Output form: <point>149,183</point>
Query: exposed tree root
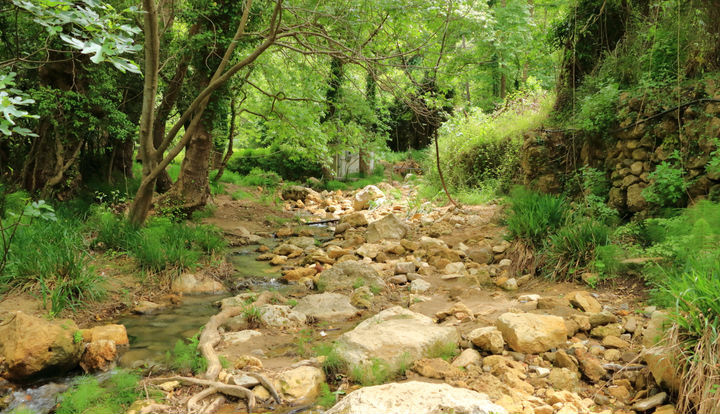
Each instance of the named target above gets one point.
<point>209,338</point>
<point>267,384</point>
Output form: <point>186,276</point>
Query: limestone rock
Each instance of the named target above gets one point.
<point>655,329</point>
<point>590,366</point>
<point>281,316</point>
<point>362,297</point>
<point>613,329</point>
<point>488,338</point>
<point>31,346</point>
<point>602,318</point>
<point>361,199</point>
<point>417,398</point>
<point>419,286</point>
<point>145,307</point>
<point>564,379</point>
<point>387,228</point>
<point>240,337</point>
<point>467,357</point>
<point>663,366</point>
<point>530,333</point>
<point>436,368</point>
<point>405,268</point>
<point>113,332</point>
<point>190,284</point>
<point>301,383</point>
<point>356,219</point>
<point>585,301</point>
<point>346,274</point>
<point>392,333</point>
<point>481,254</point>
<point>429,243</point>
<point>650,402</point>
<point>326,307</point>
<point>98,356</point>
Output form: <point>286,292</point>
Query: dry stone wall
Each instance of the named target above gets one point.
<point>632,151</point>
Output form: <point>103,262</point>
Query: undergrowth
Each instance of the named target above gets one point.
<point>89,396</point>
<point>185,356</point>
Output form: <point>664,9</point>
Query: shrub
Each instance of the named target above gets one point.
<point>598,110</point>
<point>260,178</point>
<point>478,146</point>
<point>288,165</point>
<point>667,184</point>
<point>333,363</point>
<point>533,216</point>
<point>186,357</point>
<point>376,372</point>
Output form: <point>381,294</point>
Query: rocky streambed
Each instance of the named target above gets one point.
<point>424,307</point>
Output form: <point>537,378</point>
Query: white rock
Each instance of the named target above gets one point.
<point>235,338</point>
<point>419,286</point>
<point>392,333</point>
<point>326,307</point>
<point>415,397</point>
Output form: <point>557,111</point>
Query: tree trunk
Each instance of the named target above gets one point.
<point>191,190</point>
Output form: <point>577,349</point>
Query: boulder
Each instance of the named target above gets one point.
<point>361,200</point>
<point>584,301</point>
<point>32,347</point>
<point>436,368</point>
<point>655,329</point>
<point>326,307</point>
<point>419,286</point>
<point>664,367</point>
<point>300,384</point>
<point>481,254</point>
<point>190,284</point>
<point>387,228</point>
<point>99,356</point>
<point>234,338</point>
<point>356,219</point>
<point>488,338</point>
<point>345,275</point>
<point>530,333</point>
<point>391,334</point>
<point>112,332</point>
<point>467,357</point>
<point>295,193</point>
<point>281,316</point>
<point>417,398</point>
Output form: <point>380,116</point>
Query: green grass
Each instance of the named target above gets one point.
<point>570,250</point>
<point>333,363</point>
<point>444,350</point>
<point>534,216</point>
<point>51,258</point>
<point>162,244</point>
<point>89,396</point>
<point>376,372</point>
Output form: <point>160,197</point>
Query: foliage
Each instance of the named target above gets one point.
<point>89,396</point>
<point>667,183</point>
<point>478,147</point>
<point>277,159</point>
<point>598,110</point>
<point>326,398</point>
<point>534,216</point>
<point>186,357</point>
<point>260,178</point>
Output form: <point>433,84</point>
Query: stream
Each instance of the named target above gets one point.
<point>152,336</point>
